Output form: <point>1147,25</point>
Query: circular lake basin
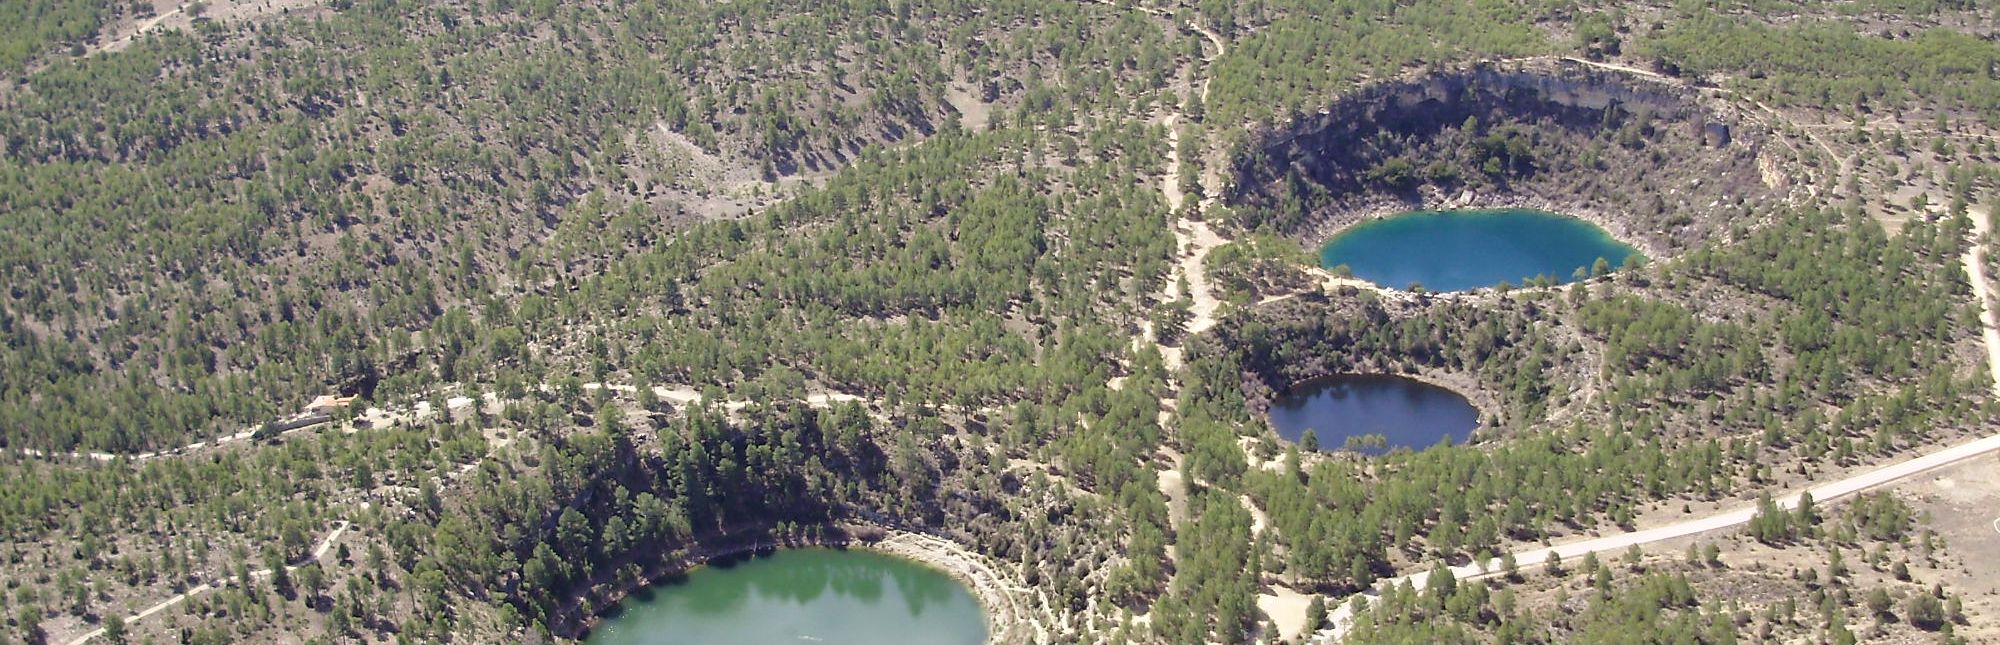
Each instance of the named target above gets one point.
<point>1372,413</point>
<point>821,596</point>
<point>1470,249</point>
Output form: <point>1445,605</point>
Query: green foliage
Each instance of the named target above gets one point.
<point>1925,611</point>
<point>1214,592</point>
<point>251,252</point>
<point>1654,608</point>
<point>1879,517</point>
<point>1657,608</point>
<point>1289,57</point>
<point>1665,343</point>
<point>705,476</point>
<point>1775,525</point>
<point>946,261</point>
<point>1878,601</point>
<point>1596,36</point>
<point>413,200</point>
<point>1831,64</point>
<point>32,29</point>
<point>1339,521</point>
<point>1489,131</point>
<point>1241,271</point>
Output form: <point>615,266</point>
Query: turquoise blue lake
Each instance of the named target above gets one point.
<point>1471,249</point>
<point>818,596</point>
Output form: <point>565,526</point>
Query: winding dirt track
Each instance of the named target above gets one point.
<point>317,553</point>
<point>1975,270</point>
<point>148,25</point>
<point>1197,239</point>
<point>927,548</point>
<point>379,417</point>
<point>1840,162</point>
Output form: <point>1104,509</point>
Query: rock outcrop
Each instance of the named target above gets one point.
<point>1646,159</point>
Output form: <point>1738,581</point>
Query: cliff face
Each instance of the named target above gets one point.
<point>1644,159</point>
<point>1579,93</point>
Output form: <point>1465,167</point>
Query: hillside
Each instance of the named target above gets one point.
<point>1006,288</point>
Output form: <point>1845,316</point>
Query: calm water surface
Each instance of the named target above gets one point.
<point>797,596</point>
<point>1402,412</point>
<point>1470,249</point>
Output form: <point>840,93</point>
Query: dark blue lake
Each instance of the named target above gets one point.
<point>1470,249</point>
<point>1379,412</point>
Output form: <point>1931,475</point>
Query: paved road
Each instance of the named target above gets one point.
<point>1342,619</point>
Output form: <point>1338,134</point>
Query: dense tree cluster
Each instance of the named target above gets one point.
<point>454,207</point>
<point>965,291</point>
<point>1214,592</point>
<point>32,29</point>
<point>414,200</point>
<point>604,504</point>
<point>1704,598</point>
<point>1490,130</point>
<point>1257,264</point>
<point>167,521</point>
<point>1833,65</point>
<point>1503,346</point>
<point>271,213</point>
<point>1341,524</point>
<point>1290,57</point>
<point>1773,524</point>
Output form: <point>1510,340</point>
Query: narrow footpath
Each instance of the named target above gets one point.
<point>318,552</point>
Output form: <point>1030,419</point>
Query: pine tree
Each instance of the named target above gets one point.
<point>1316,614</point>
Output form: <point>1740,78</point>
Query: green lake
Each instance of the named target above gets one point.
<point>1470,249</point>
<point>795,596</point>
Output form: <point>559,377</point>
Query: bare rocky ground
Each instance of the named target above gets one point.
<point>1962,503</point>
<point>173,14</point>
<point>677,173</point>
<point>1756,581</point>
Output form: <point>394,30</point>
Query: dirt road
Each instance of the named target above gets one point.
<point>1342,618</point>
<point>317,553</point>
<point>1975,270</point>
<point>143,27</point>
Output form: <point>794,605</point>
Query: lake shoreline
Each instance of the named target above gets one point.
<point>1003,614</point>
<point>1009,617</point>
<point>1487,412</point>
<point>1331,222</point>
